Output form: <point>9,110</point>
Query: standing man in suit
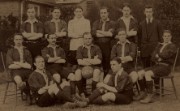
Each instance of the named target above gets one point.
<point>32,31</point>
<point>103,31</point>
<point>150,33</point>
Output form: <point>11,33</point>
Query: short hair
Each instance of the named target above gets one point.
<point>148,6</point>
<point>104,8</point>
<point>167,31</point>
<point>37,57</point>
<point>126,5</point>
<point>31,8</point>
<point>48,35</point>
<point>56,8</point>
<point>17,34</point>
<point>117,59</point>
<point>78,7</point>
<point>121,29</point>
<point>86,33</point>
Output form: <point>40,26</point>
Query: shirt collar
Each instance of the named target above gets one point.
<point>22,47</point>
<point>54,20</point>
<point>124,18</point>
<point>166,43</point>
<point>41,72</point>
<point>50,46</point>
<point>151,19</point>
<point>120,72</point>
<point>84,46</point>
<point>127,41</point>
<point>82,18</point>
<point>31,21</point>
<point>107,20</point>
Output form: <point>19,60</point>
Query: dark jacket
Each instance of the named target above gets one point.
<point>167,55</point>
<point>148,36</point>
<point>13,55</point>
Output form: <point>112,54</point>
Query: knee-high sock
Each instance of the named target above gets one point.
<point>142,85</point>
<point>149,87</point>
<point>73,87</point>
<point>62,96</point>
<point>156,81</point>
<point>80,86</point>
<point>96,93</point>
<point>94,85</point>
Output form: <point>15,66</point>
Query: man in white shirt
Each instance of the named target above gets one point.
<point>76,28</point>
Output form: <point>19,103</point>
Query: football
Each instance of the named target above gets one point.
<point>87,72</point>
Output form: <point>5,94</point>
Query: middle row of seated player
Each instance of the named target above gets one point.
<point>89,55</point>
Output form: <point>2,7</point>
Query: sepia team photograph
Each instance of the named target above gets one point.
<point>89,55</point>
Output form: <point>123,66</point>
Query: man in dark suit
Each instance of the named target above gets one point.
<point>149,33</point>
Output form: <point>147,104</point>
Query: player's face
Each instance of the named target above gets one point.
<point>39,63</point>
<point>104,14</point>
<point>52,39</point>
<point>88,39</point>
<point>78,12</point>
<point>115,66</point>
<point>56,13</point>
<point>148,12</point>
<point>18,40</point>
<point>31,13</point>
<point>126,11</point>
<point>122,36</point>
<point>167,37</point>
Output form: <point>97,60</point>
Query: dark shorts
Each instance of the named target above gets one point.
<point>71,58</point>
<point>45,100</point>
<point>58,68</point>
<point>124,97</point>
<point>105,46</point>
<point>23,73</point>
<point>160,70</point>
